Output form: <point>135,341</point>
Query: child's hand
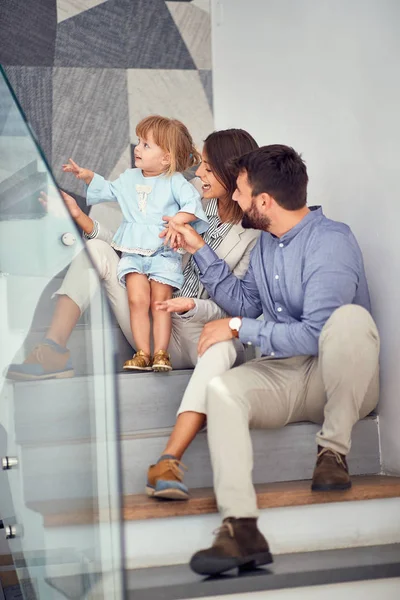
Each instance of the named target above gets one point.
<point>84,174</point>
<point>173,238</point>
<point>171,235</point>
<point>188,238</point>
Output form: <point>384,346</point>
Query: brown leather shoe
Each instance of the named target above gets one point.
<point>238,544</point>
<point>331,471</point>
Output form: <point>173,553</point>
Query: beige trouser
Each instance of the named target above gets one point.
<point>81,282</point>
<point>337,388</point>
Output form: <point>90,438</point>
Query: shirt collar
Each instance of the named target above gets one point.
<point>315,213</point>
<point>211,208</point>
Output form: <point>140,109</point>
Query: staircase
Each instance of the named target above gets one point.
<point>311,534</point>
<point>161,536</point>
<point>148,405</point>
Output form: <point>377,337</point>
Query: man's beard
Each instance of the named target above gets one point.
<point>253,220</point>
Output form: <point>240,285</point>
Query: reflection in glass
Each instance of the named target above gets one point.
<point>60,495</point>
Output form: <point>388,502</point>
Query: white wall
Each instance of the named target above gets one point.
<point>323,76</point>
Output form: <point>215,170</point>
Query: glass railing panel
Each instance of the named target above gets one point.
<point>60,484</point>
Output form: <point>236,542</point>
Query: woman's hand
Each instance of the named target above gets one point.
<point>83,221</point>
<point>188,238</point>
<point>72,205</point>
<point>52,203</point>
<point>84,174</point>
<point>177,305</point>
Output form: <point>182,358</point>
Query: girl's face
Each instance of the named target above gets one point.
<point>150,158</point>
<point>212,188</point>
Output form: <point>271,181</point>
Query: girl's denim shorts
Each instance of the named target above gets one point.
<point>164,266</point>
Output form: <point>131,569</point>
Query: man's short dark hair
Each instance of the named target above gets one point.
<point>278,171</point>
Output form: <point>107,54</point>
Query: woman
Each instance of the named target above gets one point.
<point>192,311</point>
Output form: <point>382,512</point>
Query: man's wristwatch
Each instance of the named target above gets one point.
<point>234,325</point>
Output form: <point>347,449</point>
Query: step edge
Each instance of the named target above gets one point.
<point>272,495</point>
<point>265,579</point>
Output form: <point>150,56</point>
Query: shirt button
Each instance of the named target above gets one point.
<point>276,276</point>
<point>279,309</point>
<point>272,354</point>
<point>281,245</point>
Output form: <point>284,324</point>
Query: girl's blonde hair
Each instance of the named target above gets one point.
<point>173,137</point>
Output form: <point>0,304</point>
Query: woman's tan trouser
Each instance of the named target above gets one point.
<point>80,283</point>
<point>337,388</point>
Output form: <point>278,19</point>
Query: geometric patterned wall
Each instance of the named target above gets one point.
<point>86,71</point>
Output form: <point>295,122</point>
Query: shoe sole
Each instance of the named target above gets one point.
<point>171,494</point>
<point>25,377</point>
<point>330,487</point>
<point>161,368</point>
<point>137,368</point>
<point>203,565</point>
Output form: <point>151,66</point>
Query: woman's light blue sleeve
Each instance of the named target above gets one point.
<point>189,201</point>
<point>101,190</point>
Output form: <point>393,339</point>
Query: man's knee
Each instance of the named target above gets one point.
<point>222,353</point>
<point>224,390</point>
<point>350,323</point>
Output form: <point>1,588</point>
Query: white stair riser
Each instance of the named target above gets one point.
<point>162,542</point>
<point>64,407</point>
<point>63,471</point>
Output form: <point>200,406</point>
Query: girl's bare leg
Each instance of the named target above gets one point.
<point>138,288</point>
<point>162,321</point>
<point>65,317</point>
<point>187,425</point>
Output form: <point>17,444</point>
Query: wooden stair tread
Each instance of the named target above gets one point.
<point>202,501</point>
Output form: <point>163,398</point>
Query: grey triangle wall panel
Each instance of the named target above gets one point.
<point>28,32</point>
<point>122,34</point>
<point>206,80</point>
<point>95,135</point>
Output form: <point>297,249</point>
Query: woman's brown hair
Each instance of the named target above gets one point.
<point>172,137</point>
<point>220,149</point>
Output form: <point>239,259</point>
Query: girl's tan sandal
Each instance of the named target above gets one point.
<point>161,361</point>
<point>139,362</point>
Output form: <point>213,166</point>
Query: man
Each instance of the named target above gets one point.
<point>319,344</point>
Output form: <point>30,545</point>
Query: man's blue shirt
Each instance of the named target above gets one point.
<point>295,281</point>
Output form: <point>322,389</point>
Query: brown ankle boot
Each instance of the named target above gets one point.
<point>331,471</point>
<point>238,543</point>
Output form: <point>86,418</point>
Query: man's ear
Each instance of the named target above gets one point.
<point>265,201</point>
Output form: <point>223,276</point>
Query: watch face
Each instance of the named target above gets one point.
<point>235,323</point>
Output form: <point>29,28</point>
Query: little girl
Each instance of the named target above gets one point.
<point>156,188</point>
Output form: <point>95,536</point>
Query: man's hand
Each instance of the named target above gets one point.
<point>84,174</point>
<point>214,332</point>
<point>187,237</point>
<point>177,305</point>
